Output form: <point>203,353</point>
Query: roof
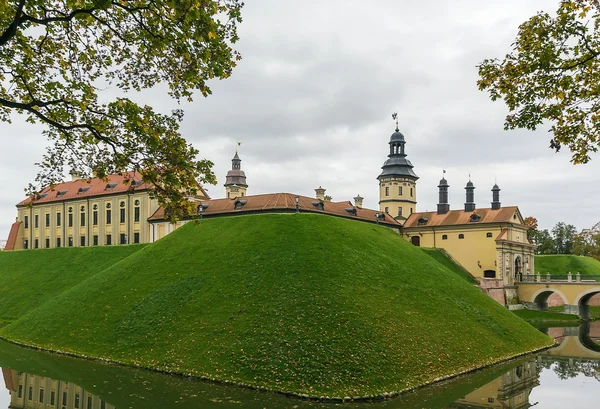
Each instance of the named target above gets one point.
<point>456,217</point>
<point>12,236</point>
<point>286,202</point>
<point>85,188</point>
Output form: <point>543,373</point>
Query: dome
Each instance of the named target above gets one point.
<point>443,182</point>
<point>470,184</point>
<point>496,187</point>
<point>397,137</point>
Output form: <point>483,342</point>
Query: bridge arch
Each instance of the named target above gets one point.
<point>583,299</point>
<point>540,298</point>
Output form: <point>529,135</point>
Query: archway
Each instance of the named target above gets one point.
<point>583,302</point>
<point>585,338</point>
<point>540,299</point>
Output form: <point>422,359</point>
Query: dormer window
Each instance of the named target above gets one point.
<point>422,221</point>
<point>202,207</point>
<point>42,195</point>
<point>83,189</point>
<point>136,182</point>
<point>474,218</point>
<point>320,205</point>
<point>110,186</point>
<point>351,210</point>
<point>239,204</point>
<point>380,216</point>
<point>61,193</point>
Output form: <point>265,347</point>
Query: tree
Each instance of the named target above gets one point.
<point>532,227</point>
<point>587,243</point>
<point>56,57</point>
<point>545,243</point>
<point>563,236</point>
<point>552,74</point>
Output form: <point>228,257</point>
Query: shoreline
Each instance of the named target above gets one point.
<point>334,399</point>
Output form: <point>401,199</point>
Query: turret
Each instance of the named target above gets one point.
<point>235,182</point>
<point>358,201</point>
<point>443,206</point>
<point>470,203</point>
<point>320,193</point>
<point>495,197</point>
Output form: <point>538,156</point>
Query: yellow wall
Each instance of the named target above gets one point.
<point>231,192</point>
<point>397,193</point>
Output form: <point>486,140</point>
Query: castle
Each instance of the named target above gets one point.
<point>490,243</point>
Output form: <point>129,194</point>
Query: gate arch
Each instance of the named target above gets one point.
<point>583,300</point>
<point>540,298</point>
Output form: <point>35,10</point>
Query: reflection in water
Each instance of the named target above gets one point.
<point>46,381</point>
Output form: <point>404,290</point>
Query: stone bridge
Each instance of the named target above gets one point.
<point>534,292</point>
<point>577,343</point>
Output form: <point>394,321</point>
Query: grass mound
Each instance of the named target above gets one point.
<point>538,316</point>
<point>31,278</point>
<point>561,264</point>
<point>304,303</point>
<point>450,265</point>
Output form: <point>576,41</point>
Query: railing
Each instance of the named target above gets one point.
<point>563,278</point>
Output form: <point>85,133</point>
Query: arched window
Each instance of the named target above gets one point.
<point>444,237</point>
<point>400,190</point>
<point>488,235</point>
<point>387,191</point>
<point>461,236</point>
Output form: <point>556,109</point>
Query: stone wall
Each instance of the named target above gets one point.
<point>556,301</point>
<point>493,287</point>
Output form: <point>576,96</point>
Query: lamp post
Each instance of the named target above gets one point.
<point>297,204</point>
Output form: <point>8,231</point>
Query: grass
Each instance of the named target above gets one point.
<point>545,316</point>
<point>33,277</point>
<point>446,262</point>
<point>304,303</point>
<point>595,312</point>
<point>561,264</point>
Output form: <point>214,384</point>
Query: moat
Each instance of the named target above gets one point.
<point>565,376</point>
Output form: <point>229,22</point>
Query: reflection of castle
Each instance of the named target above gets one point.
<point>510,391</point>
<point>33,391</point>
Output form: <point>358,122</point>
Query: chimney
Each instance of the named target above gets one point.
<point>495,197</point>
<point>358,201</point>
<point>320,193</point>
<point>470,203</point>
<point>443,206</point>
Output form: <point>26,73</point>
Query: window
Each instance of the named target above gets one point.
<point>76,400</point>
<point>461,236</point>
<point>89,405</point>
<point>26,244</point>
<point>37,221</point>
<point>411,210</point>
<point>26,222</point>
<point>242,194</point>
<point>47,242</point>
<point>123,238</point>
<point>387,209</point>
<point>30,396</point>
<point>122,204</point>
<point>108,239</point>
<point>136,214</point>
<point>108,216</point>
<point>102,404</point>
<point>489,274</point>
<point>400,190</point>
<point>95,218</point>
<point>444,237</point>
<point>95,240</point>
<point>82,241</point>
<point>52,398</point>
<point>122,215</point>
<point>387,191</point>
<point>82,219</point>
<point>70,241</point>
<point>136,238</point>
<point>20,391</point>
<point>64,400</point>
<point>474,218</point>
<point>41,400</point>
<point>488,235</point>
<point>399,211</point>
<point>70,219</point>
<point>58,242</point>
<point>228,195</point>
<point>47,219</point>
<point>36,243</point>
<point>58,219</point>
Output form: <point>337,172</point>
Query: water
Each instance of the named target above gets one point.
<point>567,376</point>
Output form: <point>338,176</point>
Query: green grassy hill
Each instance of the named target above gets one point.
<point>561,264</point>
<point>450,265</point>
<point>30,278</point>
<point>304,303</point>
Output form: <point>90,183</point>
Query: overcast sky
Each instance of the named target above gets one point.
<point>312,102</point>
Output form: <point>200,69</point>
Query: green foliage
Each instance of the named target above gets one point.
<point>56,58</point>
<point>552,75</point>
<point>563,236</point>
<point>544,241</point>
<point>306,303</point>
<point>562,264</point>
<point>32,277</point>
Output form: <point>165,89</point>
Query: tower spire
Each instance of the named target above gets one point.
<point>235,181</point>
<point>395,117</point>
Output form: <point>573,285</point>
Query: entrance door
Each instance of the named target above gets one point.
<point>416,240</point>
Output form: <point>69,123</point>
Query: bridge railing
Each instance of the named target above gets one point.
<point>564,278</point>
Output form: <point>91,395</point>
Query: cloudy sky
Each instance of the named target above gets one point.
<point>312,102</point>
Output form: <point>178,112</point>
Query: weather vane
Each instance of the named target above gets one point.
<point>395,117</point>
<point>237,144</point>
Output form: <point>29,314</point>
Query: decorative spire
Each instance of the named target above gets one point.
<point>395,117</point>
<point>470,203</point>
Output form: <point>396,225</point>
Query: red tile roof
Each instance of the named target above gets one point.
<point>455,217</point>
<point>285,202</point>
<point>84,188</point>
<point>12,236</point>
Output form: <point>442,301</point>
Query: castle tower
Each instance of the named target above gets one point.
<point>235,182</point>
<point>495,197</point>
<point>443,206</point>
<point>320,193</point>
<point>470,203</point>
<point>397,181</point>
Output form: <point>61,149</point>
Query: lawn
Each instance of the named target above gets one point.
<point>450,265</point>
<point>561,264</point>
<point>545,316</point>
<point>305,303</point>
